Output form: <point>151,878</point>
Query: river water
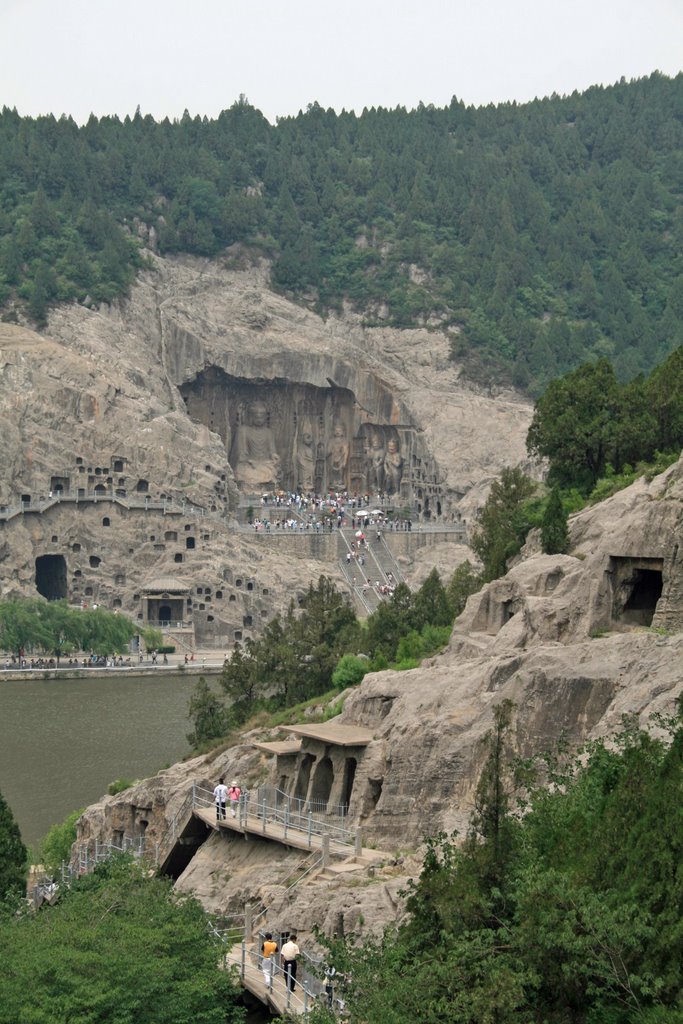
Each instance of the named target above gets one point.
<point>62,741</point>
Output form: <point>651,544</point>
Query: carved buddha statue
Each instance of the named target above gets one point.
<point>305,462</point>
<point>254,456</point>
<point>393,467</point>
<point>337,458</point>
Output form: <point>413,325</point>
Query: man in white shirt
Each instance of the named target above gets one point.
<point>220,795</point>
<point>289,953</point>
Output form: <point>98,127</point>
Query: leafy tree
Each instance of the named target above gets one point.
<point>664,390</point>
<point>431,604</point>
<point>65,625</point>
<point>208,714</point>
<point>463,583</point>
<point>501,528</point>
<point>105,632</point>
<point>350,671</point>
<point>56,845</point>
<point>575,425</point>
<point>13,855</point>
<point>554,533</point>
<point>152,638</point>
<point>389,622</point>
<point>118,947</point>
<point>241,682</point>
<point>22,626</point>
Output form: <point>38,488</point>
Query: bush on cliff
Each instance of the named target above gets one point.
<point>570,914</point>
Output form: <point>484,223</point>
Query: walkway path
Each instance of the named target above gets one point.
<point>275,994</point>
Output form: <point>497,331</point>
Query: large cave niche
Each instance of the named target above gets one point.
<point>51,577</point>
<point>298,436</point>
<point>636,588</point>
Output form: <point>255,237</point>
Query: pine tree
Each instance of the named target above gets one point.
<point>554,533</point>
<point>13,855</point>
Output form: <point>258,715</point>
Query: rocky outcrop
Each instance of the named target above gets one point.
<point>575,641</point>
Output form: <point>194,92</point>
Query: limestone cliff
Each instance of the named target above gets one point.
<point>139,403</point>
<point>575,641</point>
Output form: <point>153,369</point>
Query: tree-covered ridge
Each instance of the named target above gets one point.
<point>541,234</point>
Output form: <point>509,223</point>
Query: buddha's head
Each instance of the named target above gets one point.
<point>258,414</point>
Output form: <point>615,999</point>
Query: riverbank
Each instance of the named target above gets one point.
<point>207,663</point>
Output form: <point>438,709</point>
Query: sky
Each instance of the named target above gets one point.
<point>109,56</point>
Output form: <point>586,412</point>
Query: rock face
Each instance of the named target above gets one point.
<point>197,391</point>
<point>574,641</point>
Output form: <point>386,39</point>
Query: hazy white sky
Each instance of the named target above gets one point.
<point>108,56</point>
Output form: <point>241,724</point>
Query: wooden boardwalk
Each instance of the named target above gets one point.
<point>274,995</point>
<point>289,835</point>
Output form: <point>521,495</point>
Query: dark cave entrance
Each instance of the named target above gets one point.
<point>349,776</point>
<point>191,838</point>
<point>322,784</point>
<point>51,577</point>
<point>637,587</point>
<point>304,774</point>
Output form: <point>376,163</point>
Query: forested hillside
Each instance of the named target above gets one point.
<point>541,235</point>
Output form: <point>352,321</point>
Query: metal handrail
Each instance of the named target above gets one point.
<point>264,813</point>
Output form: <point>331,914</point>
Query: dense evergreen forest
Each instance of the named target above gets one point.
<point>540,235</point>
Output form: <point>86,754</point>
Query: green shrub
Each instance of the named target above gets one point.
<point>166,649</point>
<point>404,666</point>
<point>118,786</point>
<point>56,846</point>
<point>349,671</point>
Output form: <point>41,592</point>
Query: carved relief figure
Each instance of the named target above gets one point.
<point>376,463</point>
<point>337,458</point>
<point>305,461</point>
<point>393,467</point>
<point>254,457</point>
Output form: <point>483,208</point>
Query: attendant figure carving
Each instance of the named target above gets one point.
<point>305,462</point>
<point>337,458</point>
<point>393,467</point>
<point>376,463</point>
<point>254,456</point>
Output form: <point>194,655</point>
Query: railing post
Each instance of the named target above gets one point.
<point>248,922</point>
<point>310,827</point>
<point>263,811</point>
<point>326,849</point>
<point>286,820</point>
<point>244,957</point>
<point>358,850</point>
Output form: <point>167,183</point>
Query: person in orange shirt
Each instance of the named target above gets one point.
<point>268,949</point>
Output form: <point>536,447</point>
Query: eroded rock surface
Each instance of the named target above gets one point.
<point>146,399</point>
<point>575,641</point>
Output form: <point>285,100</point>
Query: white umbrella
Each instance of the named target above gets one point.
<point>362,513</point>
<point>377,512</point>
<point>359,533</point>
